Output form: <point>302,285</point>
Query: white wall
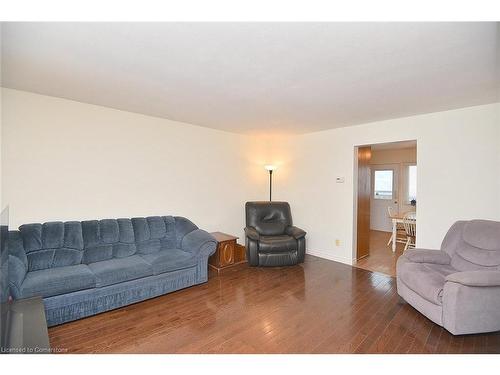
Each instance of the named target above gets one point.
<point>459,175</point>
<point>65,160</point>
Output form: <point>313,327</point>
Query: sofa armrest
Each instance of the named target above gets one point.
<point>18,263</point>
<point>17,273</point>
<point>475,278</point>
<point>198,242</point>
<point>295,232</point>
<point>427,256</point>
<point>252,233</point>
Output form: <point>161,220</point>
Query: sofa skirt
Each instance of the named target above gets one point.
<point>72,306</point>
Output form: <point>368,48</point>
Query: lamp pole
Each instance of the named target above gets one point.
<point>270,169</point>
<point>270,185</point>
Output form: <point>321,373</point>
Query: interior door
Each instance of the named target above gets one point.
<point>364,188</point>
<point>384,194</point>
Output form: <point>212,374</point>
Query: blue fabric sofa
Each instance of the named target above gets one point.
<point>85,268</point>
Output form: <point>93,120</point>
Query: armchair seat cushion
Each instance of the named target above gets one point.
<point>59,280</point>
<point>169,260</point>
<point>118,270</point>
<point>425,279</point>
<point>277,244</point>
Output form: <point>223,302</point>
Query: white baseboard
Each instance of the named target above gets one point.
<point>329,256</point>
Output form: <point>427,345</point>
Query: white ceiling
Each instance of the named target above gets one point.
<point>259,77</point>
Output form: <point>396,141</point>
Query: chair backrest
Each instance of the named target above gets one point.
<point>390,212</point>
<point>473,245</point>
<point>268,218</point>
<point>410,223</point>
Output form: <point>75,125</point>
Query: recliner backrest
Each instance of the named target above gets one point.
<point>268,218</point>
<point>473,245</point>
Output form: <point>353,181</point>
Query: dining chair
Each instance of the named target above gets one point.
<point>410,225</point>
<point>400,230</point>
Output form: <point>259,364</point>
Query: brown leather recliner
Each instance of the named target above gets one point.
<point>270,237</point>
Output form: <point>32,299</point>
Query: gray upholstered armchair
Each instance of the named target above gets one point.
<point>459,286</point>
<point>270,237</point>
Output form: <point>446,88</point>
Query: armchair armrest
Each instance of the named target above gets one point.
<point>295,232</point>
<point>199,241</point>
<point>428,256</point>
<point>252,233</point>
<point>475,278</point>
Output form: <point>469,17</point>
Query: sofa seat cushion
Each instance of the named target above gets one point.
<point>169,260</point>
<point>58,280</point>
<point>277,244</point>
<point>118,270</point>
<point>426,279</point>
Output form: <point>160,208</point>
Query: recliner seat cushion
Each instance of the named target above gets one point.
<point>426,279</point>
<point>169,260</point>
<point>277,244</point>
<point>118,270</point>
<point>59,280</point>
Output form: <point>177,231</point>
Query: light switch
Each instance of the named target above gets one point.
<point>339,179</point>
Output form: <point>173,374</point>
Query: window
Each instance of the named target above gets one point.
<point>412,183</point>
<point>383,185</point>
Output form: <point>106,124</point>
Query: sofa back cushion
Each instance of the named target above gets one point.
<point>183,226</point>
<point>474,245</point>
<point>154,233</point>
<point>52,244</point>
<point>106,239</point>
<point>58,244</point>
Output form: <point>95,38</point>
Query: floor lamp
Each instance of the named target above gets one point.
<point>270,169</point>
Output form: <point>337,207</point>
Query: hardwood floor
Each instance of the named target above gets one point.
<point>381,258</point>
<point>317,307</point>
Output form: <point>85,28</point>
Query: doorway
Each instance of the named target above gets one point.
<point>386,189</point>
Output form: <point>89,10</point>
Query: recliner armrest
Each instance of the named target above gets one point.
<point>199,241</point>
<point>475,278</point>
<point>427,256</point>
<point>252,233</point>
<point>295,232</point>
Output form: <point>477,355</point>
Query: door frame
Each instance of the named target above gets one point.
<point>355,148</point>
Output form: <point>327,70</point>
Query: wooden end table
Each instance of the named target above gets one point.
<point>228,253</point>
